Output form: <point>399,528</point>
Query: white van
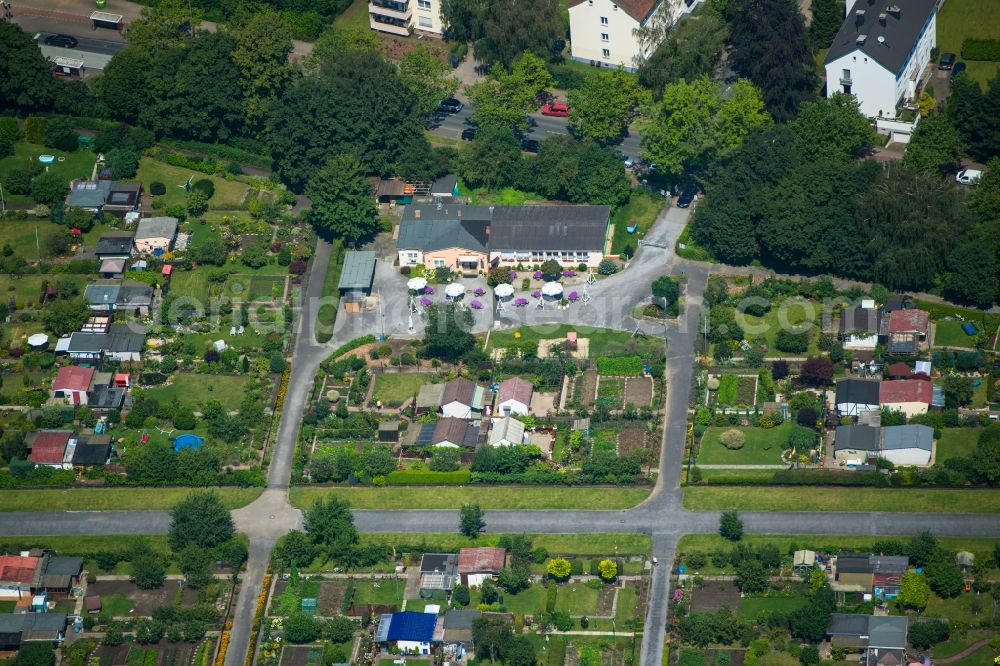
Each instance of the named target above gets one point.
<point>968,176</point>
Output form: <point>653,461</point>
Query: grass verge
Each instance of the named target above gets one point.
<point>489,497</point>
<point>641,209</point>
<point>785,542</point>
<point>114,499</point>
<point>812,498</point>
<point>600,543</point>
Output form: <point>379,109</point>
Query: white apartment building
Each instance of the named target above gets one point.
<point>602,32</point>
<point>880,53</point>
<point>402,17</point>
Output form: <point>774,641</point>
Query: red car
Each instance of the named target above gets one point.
<point>559,109</point>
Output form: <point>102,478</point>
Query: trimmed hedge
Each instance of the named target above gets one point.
<point>221,152</point>
<point>351,346</point>
<point>427,478</point>
<point>628,366</point>
<point>981,49</point>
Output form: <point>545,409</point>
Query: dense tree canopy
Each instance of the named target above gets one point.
<point>692,50</point>
<point>577,171</point>
<point>769,45</point>
<point>504,29</point>
<point>343,203</point>
<point>503,98</point>
<point>26,80</point>
<point>694,124</point>
<point>602,108</point>
<point>200,519</point>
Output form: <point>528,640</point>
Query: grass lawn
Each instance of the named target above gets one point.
<point>577,599</point>
<point>228,194</point>
<point>957,643</point>
<point>507,196</point>
<point>938,311</point>
<point>793,311</point>
<point>7,606</point>
<point>812,498</point>
<point>78,164</point>
<point>949,333</point>
<point>531,600</point>
<point>197,389</point>
<point>628,598</point>
<point>20,235</point>
<point>28,288</point>
<point>603,341</point>
<point>388,592</point>
<point>959,19</point>
<point>642,209</point>
<point>752,607</point>
<point>394,390</point>
<point>557,544</point>
<point>112,499</point>
<point>762,447</point>
<point>250,339</point>
<point>354,17</point>
<point>958,609</point>
<point>116,605</point>
<point>326,315</point>
<point>451,497</point>
<point>956,442</point>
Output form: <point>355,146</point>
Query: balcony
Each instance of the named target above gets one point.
<point>389,9</point>
<point>846,81</point>
<point>393,26</point>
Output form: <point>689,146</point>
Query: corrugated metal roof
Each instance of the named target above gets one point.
<point>358,271</point>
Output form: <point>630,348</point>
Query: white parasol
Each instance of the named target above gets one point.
<point>504,291</point>
<point>416,284</point>
<point>454,290</point>
<point>552,289</point>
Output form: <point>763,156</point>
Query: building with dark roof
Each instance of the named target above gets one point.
<point>856,444</point>
<point>881,52</point>
<point>438,571</point>
<point>16,629</point>
<point>881,639</point>
<point>56,575</point>
<point>91,450</point>
<point>448,432</point>
<point>869,573</point>
<point>570,234</point>
<point>859,327</point>
<point>357,275</point>
<point>854,396</point>
<point>114,246</point>
<point>452,236</point>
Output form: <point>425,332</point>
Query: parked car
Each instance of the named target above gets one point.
<point>947,60</point>
<point>558,109</point>
<point>66,41</point>
<point>468,134</point>
<point>450,105</point>
<point>687,195</point>
<point>529,145</point>
<point>629,162</point>
<point>968,176</point>
<point>957,69</point>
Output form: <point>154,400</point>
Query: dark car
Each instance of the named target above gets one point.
<point>66,41</point>
<point>687,195</point>
<point>468,134</point>
<point>947,60</point>
<point>450,105</point>
<point>529,145</point>
<point>957,69</point>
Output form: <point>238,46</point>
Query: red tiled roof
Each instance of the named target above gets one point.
<point>637,9</point>
<point>49,446</point>
<point>481,560</point>
<point>905,390</point>
<point>17,569</point>
<point>515,388</point>
<point>73,378</point>
<point>908,321</point>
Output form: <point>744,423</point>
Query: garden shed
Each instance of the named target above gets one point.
<point>356,279</point>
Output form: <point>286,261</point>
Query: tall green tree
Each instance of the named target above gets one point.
<point>492,634</point>
<point>913,591</point>
<point>330,526</point>
<point>200,519</point>
<point>167,24</point>
<point>973,270</point>
<point>827,16</point>
<point>832,128</point>
<point>492,160</point>
<point>510,28</point>
<point>730,526</point>
<point>693,124</point>
<point>65,316</point>
<point>692,50</point>
<point>986,456</point>
<point>447,332</point>
<point>428,78</point>
<point>343,202</point>
<point>208,97</point>
<point>935,145</point>
<point>471,521</point>
<point>263,43</point>
<point>578,171</point>
<point>503,98</point>
<point>604,106</point>
<point>769,45</point>
<point>25,75</point>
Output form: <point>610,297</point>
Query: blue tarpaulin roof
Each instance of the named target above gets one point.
<point>411,626</point>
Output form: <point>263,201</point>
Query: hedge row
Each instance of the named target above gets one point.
<point>427,478</point>
<point>220,151</point>
<point>981,49</point>
<point>351,346</point>
<point>208,167</point>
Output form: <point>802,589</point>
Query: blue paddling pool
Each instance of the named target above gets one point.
<point>187,441</point>
<point>46,159</point>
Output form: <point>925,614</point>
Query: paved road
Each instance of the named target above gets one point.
<point>544,126</point>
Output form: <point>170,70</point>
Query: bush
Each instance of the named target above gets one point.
<point>733,439</point>
<point>607,267</point>
<point>59,134</point>
<point>792,342</point>
<point>204,185</point>
<point>156,188</point>
<point>17,181</point>
<point>124,163</point>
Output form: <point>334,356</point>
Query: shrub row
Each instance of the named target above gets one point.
<point>351,346</point>
<point>209,167</point>
<point>427,478</point>
<point>981,49</point>
<point>222,152</point>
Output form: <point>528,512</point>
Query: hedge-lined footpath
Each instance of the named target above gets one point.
<point>399,498</point>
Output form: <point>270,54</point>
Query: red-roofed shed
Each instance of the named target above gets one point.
<point>910,396</point>
<point>17,572</point>
<point>477,564</point>
<point>167,269</point>
<point>900,370</point>
<point>909,321</point>
<point>49,446</point>
<point>73,382</point>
